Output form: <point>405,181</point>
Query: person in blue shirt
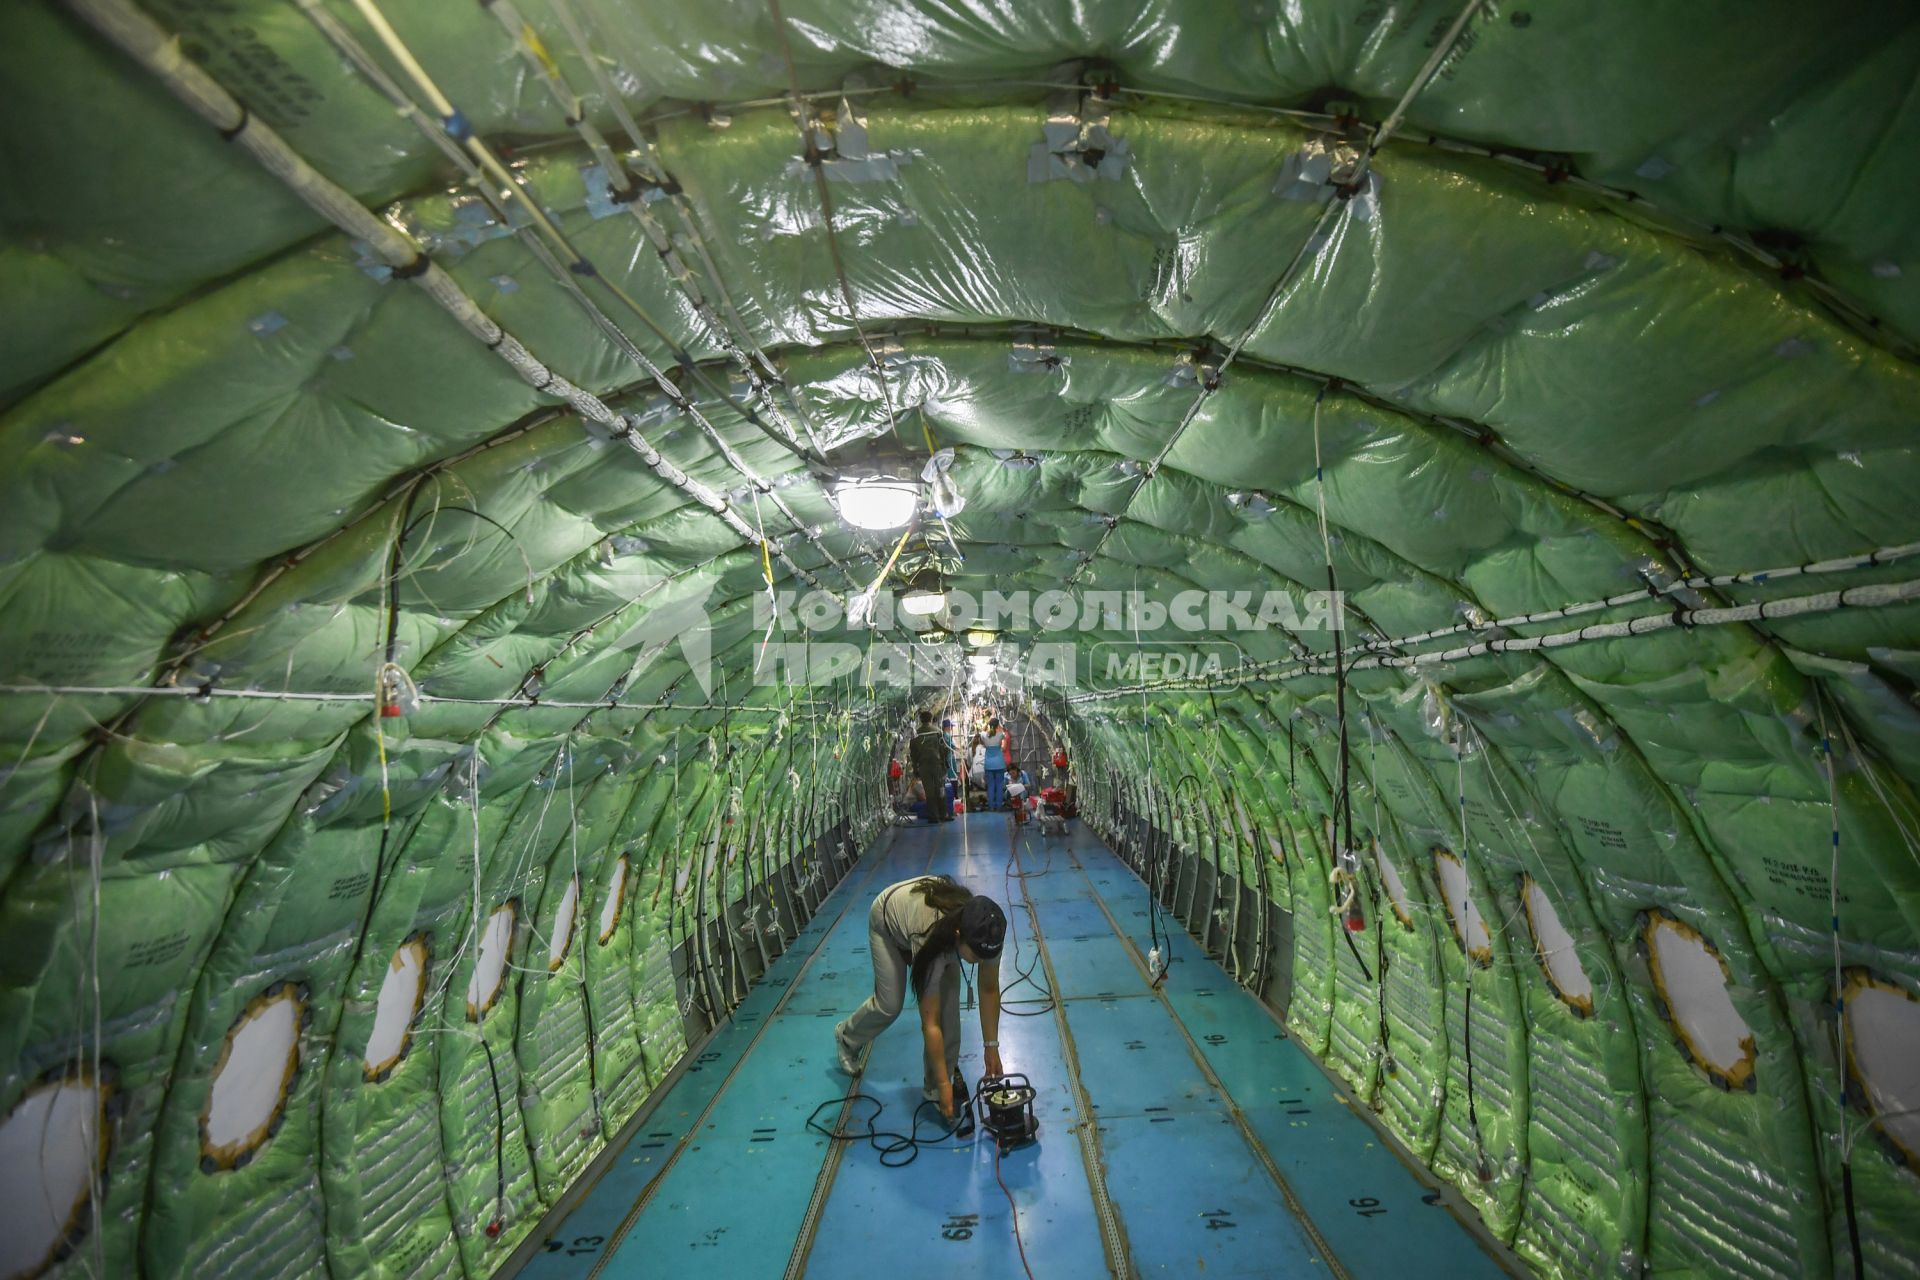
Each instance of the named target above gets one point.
<point>999,751</point>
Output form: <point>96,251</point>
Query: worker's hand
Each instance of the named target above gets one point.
<point>994,1068</point>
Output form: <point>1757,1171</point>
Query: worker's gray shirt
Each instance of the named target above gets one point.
<point>904,919</point>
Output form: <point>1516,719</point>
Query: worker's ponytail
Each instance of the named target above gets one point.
<point>948,898</point>
<point>944,938</point>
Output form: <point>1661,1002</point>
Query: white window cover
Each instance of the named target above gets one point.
<point>563,917</point>
<point>490,968</point>
<point>1693,980</point>
<point>49,1145</point>
<point>250,1084</point>
<point>1554,945</point>
<point>616,898</point>
<point>1468,928</point>
<point>400,995</point>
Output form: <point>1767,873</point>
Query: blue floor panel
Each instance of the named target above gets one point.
<point>1073,917</point>
<point>1191,1192</point>
<point>729,1207</point>
<point>944,1214</point>
<point>945,1210</point>
<point>1133,1061</point>
<point>1376,1215</point>
<point>579,1245</point>
<point>1195,1201</point>
<point>1371,1209</point>
<point>1243,1045</point>
<point>1093,967</point>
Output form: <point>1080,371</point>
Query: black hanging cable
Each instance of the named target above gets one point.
<point>1342,824</point>
<point>498,1224</point>
<point>1841,1042</point>
<point>1193,824</point>
<point>586,947</point>
<point>1484,1171</point>
<point>1243,829</point>
<point>389,646</point>
<point>1387,1062</point>
<point>1157,841</point>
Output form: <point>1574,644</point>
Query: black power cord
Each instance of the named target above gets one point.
<point>889,1144</point>
<point>1045,1000</point>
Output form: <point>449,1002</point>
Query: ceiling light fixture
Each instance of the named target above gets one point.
<point>980,639</point>
<point>925,595</point>
<point>876,502</point>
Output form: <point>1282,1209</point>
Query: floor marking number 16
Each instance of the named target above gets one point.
<point>1366,1207</point>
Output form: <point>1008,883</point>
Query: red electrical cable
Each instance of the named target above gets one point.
<point>1014,1209</point>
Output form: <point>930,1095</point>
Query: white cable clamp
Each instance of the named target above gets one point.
<point>1344,886</point>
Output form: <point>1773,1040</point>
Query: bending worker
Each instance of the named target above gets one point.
<point>920,931</point>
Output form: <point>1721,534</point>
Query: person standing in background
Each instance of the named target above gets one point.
<point>928,754</point>
<point>953,763</point>
<point>998,745</point>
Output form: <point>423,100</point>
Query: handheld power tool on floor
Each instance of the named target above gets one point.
<point>1005,1107</point>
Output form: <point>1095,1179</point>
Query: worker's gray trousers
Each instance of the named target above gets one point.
<point>890,978</point>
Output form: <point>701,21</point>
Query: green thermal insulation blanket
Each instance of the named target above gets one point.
<point>413,416</point>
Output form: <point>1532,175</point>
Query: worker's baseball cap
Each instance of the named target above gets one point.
<point>983,927</point>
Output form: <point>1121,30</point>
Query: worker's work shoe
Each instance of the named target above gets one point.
<point>849,1056</point>
<point>962,1112</point>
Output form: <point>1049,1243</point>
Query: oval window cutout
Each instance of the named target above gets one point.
<point>1883,1043</point>
<point>562,939</point>
<point>1396,887</point>
<point>403,993</point>
<point>51,1148</point>
<point>490,967</point>
<point>1553,948</point>
<point>1691,980</point>
<point>1469,930</point>
<point>255,1073</point>
<point>616,900</point>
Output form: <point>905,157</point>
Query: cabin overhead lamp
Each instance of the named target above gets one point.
<point>876,502</point>
<point>980,639</point>
<point>925,595</point>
